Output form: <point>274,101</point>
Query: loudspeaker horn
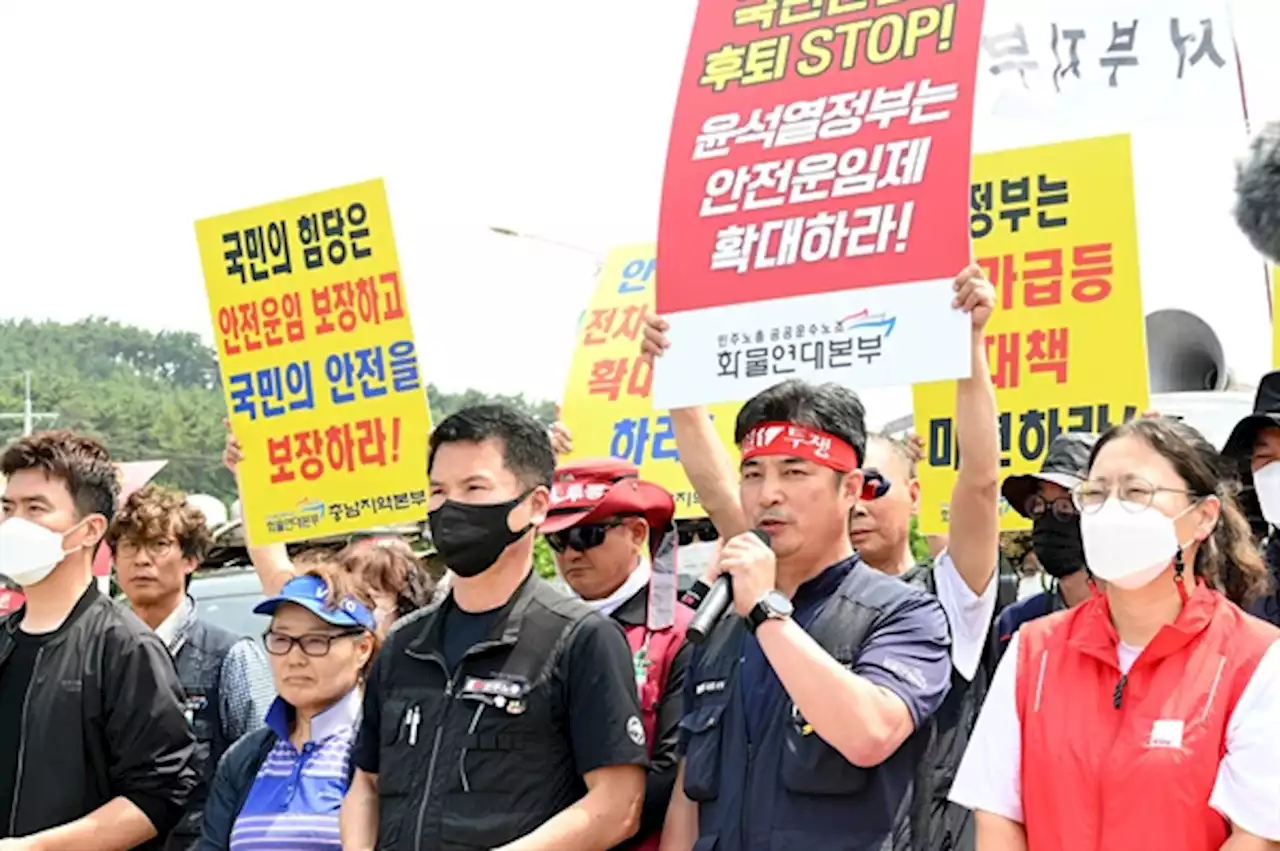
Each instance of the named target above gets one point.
<point>1184,354</point>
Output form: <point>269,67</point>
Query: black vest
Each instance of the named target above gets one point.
<point>788,788</point>
<point>199,663</point>
<point>479,756</point>
<point>938,824</point>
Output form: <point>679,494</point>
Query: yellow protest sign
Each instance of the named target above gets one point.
<point>607,402</point>
<point>1275,327</point>
<point>1055,229</point>
<point>319,367</point>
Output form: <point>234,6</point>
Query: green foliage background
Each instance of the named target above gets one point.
<point>544,560</point>
<point>919,546</point>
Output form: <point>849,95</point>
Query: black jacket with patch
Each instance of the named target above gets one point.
<point>486,753</point>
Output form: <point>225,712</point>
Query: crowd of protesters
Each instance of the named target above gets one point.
<point>850,696</point>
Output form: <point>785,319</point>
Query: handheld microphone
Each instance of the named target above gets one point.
<point>713,606</point>
<point>1257,209</point>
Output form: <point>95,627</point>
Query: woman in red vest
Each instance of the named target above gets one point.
<point>615,544</point>
<point>1147,717</point>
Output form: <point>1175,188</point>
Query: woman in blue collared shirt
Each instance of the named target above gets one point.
<point>282,787</point>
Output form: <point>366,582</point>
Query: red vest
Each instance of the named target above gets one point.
<point>1095,776</point>
<point>653,666</point>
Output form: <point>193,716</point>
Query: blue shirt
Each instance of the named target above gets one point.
<point>878,658</point>
<point>295,799</point>
<point>767,784</point>
<point>762,691</point>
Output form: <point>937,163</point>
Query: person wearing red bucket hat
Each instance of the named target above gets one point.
<point>602,519</point>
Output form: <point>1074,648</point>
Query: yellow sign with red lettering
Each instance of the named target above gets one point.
<point>1055,229</point>
<point>319,367</point>
<point>607,400</point>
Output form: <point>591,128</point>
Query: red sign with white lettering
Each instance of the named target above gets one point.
<point>818,146</point>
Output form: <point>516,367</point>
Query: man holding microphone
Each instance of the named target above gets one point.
<point>802,711</point>
<point>962,577</point>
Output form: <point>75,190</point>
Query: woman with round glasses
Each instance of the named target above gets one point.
<point>1145,716</point>
<point>282,786</point>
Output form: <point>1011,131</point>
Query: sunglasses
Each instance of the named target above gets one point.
<point>582,538</point>
<point>875,484</point>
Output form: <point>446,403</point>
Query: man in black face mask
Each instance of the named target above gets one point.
<point>1045,500</point>
<point>507,715</point>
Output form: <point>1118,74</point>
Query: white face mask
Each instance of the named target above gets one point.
<point>29,552</point>
<point>697,557</point>
<point>1128,548</point>
<point>1266,483</point>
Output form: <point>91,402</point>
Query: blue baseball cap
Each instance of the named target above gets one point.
<point>310,592</point>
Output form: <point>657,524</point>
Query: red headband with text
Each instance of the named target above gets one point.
<point>800,441</point>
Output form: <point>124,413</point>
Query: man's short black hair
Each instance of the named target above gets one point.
<point>827,407</point>
<point>526,443</point>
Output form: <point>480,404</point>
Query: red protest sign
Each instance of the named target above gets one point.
<point>818,147</point>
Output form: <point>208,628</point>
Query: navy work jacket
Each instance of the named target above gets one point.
<point>762,779</point>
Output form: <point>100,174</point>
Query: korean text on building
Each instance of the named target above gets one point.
<point>1055,230</point>
<point>607,402</point>
<point>319,367</point>
<point>815,183</point>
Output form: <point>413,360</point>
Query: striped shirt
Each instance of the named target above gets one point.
<point>294,801</point>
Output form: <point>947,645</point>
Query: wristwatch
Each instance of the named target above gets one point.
<point>774,606</point>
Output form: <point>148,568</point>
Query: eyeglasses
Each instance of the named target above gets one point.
<point>1134,494</point>
<point>128,548</point>
<point>582,538</point>
<point>1063,508</point>
<point>315,645</point>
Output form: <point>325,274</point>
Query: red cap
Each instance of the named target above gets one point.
<point>591,490</point>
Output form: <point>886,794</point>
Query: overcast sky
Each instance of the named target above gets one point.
<point>126,121</point>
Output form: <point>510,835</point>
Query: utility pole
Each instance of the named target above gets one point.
<point>28,416</point>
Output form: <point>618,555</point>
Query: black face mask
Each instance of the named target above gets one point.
<point>1057,545</point>
<point>470,538</point>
